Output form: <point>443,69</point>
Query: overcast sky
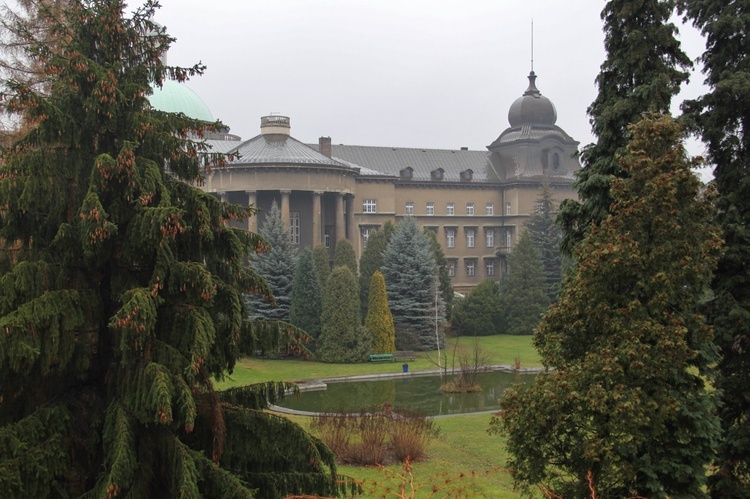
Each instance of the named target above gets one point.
<point>406,73</point>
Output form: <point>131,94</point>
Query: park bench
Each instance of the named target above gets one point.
<point>381,357</point>
<point>404,355</point>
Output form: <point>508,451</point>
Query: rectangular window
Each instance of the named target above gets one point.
<point>489,209</point>
<point>452,268</point>
<point>471,268</point>
<point>470,238</point>
<point>450,238</point>
<point>489,268</point>
<point>294,225</point>
<point>430,208</point>
<point>450,210</point>
<point>508,240</point>
<point>470,209</point>
<point>327,238</point>
<point>489,236</point>
<point>507,208</point>
<point>369,206</point>
<point>410,208</point>
<point>365,236</point>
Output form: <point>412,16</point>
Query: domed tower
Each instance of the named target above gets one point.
<point>534,146</point>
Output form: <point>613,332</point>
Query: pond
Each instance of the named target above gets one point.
<point>415,392</point>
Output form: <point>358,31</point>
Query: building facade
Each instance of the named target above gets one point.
<point>477,202</point>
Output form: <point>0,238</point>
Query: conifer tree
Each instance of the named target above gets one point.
<point>722,121</point>
<point>121,287</point>
<point>379,320</point>
<point>344,255</point>
<point>276,265</point>
<point>410,278</point>
<point>443,273</point>
<point>643,70</point>
<point>322,264</point>
<point>371,261</point>
<point>343,338</point>
<point>546,236</point>
<point>626,411</point>
<point>307,296</point>
<point>480,313</point>
<point>525,291</point>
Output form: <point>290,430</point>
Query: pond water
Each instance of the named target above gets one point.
<point>420,393</point>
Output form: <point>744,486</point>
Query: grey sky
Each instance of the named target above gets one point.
<point>408,73</point>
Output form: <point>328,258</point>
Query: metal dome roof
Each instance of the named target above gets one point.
<point>532,108</point>
<point>174,97</point>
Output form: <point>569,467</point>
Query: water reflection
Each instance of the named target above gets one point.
<point>418,392</point>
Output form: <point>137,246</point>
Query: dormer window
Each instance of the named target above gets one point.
<point>407,173</point>
<point>437,174</point>
<point>467,175</point>
<point>555,161</point>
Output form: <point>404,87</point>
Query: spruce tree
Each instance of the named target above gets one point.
<point>721,117</point>
<point>343,338</point>
<point>480,312</point>
<point>410,278</point>
<point>643,70</point>
<point>276,265</point>
<point>525,290</point>
<point>307,296</point>
<point>322,264</point>
<point>121,286</point>
<point>371,261</point>
<point>547,236</point>
<point>379,320</point>
<point>627,411</point>
<point>344,255</point>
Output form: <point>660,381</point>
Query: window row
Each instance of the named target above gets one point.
<point>470,267</point>
<point>371,206</point>
<point>489,238</point>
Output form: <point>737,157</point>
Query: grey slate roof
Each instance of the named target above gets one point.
<point>280,149</point>
<point>222,146</point>
<point>391,160</point>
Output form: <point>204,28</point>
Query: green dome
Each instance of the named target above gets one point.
<point>176,97</point>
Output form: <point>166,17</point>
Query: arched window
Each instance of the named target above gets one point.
<point>555,161</point>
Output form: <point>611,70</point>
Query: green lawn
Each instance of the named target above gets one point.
<point>500,349</point>
<point>463,445</point>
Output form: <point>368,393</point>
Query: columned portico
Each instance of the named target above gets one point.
<point>285,206</point>
<point>316,218</point>
<point>252,221</point>
<point>340,223</point>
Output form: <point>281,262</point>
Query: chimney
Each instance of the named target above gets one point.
<point>324,146</point>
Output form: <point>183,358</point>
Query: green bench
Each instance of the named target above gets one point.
<point>381,357</point>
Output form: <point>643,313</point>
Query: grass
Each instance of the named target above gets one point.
<point>463,445</point>
<point>499,349</point>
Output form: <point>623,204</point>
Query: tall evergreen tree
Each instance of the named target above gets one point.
<point>121,299</point>
<point>307,296</point>
<point>343,338</point>
<point>322,264</point>
<point>344,255</point>
<point>547,236</point>
<point>627,411</point>
<point>643,70</point>
<point>379,320</point>
<point>276,265</point>
<point>371,261</point>
<point>722,120</point>
<point>525,290</point>
<point>443,273</point>
<point>410,278</point>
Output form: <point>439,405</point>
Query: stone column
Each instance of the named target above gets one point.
<point>252,221</point>
<point>340,227</point>
<point>350,220</point>
<point>285,207</point>
<point>317,219</point>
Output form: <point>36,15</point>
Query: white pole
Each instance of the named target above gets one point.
<point>437,334</point>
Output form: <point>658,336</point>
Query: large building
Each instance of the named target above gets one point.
<point>475,201</point>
